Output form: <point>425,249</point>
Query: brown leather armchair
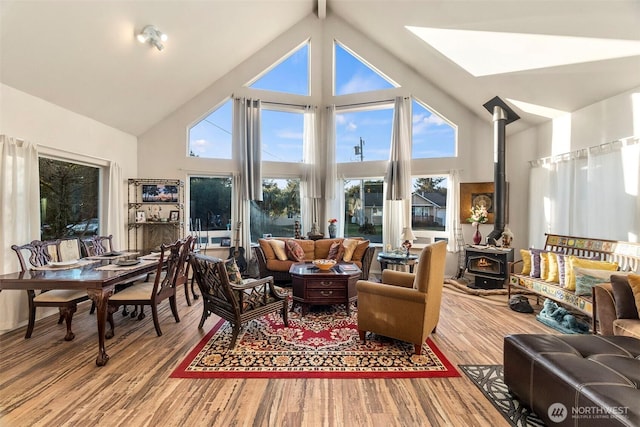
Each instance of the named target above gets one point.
<point>404,306</point>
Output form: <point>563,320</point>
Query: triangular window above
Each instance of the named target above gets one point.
<point>211,137</point>
<point>290,75</point>
<point>353,75</point>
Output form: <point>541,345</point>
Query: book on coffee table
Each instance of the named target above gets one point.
<point>346,268</point>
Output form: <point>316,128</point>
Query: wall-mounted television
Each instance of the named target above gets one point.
<point>158,193</point>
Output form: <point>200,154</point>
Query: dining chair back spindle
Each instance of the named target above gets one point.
<point>38,254</point>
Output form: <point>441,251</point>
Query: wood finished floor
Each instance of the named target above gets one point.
<point>46,381</point>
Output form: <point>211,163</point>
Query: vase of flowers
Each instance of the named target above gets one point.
<point>333,228</point>
<point>479,215</point>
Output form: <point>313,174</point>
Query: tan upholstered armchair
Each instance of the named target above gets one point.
<point>404,306</point>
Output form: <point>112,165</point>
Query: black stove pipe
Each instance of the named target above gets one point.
<point>502,116</point>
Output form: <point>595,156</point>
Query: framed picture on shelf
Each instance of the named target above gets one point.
<point>140,216</point>
<point>174,216</point>
<point>225,241</point>
<point>158,193</point>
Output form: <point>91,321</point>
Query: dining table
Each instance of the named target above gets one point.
<point>98,276</point>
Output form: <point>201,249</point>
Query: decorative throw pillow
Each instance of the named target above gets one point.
<point>294,251</point>
<point>349,248</point>
<point>526,262</point>
<point>562,270</point>
<point>553,276</point>
<point>587,278</point>
<point>634,283</point>
<point>544,265</point>
<point>625,302</point>
<point>361,248</point>
<point>535,262</point>
<point>574,261</point>
<point>233,272</point>
<point>336,251</point>
<point>278,249</point>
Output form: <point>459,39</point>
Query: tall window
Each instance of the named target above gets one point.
<point>279,210</point>
<point>210,206</point>
<point>364,134</point>
<point>363,208</point>
<point>432,135</point>
<point>69,199</point>
<point>211,137</point>
<point>281,135</point>
<point>429,206</point>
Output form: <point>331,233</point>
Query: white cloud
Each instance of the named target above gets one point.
<point>359,83</point>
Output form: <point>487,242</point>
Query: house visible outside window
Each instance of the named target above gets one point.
<point>210,207</point>
<point>69,199</point>
<point>429,207</point>
<point>211,137</point>
<point>432,135</point>
<point>280,209</point>
<point>364,134</point>
<point>363,208</point>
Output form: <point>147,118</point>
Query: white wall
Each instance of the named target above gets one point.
<point>58,131</point>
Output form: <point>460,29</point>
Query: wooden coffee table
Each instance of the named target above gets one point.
<point>312,286</point>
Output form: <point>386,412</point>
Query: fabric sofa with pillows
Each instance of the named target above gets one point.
<point>616,305</point>
<point>569,267</point>
<point>276,255</point>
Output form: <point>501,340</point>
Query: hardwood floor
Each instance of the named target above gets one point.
<point>46,381</point>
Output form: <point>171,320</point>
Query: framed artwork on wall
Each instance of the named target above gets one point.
<point>476,193</point>
<point>174,216</point>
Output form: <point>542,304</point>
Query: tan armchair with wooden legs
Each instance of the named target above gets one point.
<point>405,306</point>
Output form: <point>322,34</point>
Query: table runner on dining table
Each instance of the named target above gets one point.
<point>116,267</point>
<point>120,254</point>
<point>79,264</point>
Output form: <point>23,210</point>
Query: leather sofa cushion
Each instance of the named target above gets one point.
<point>623,295</point>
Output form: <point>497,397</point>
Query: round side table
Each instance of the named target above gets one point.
<point>391,258</point>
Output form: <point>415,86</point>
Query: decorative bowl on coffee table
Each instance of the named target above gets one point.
<point>324,264</point>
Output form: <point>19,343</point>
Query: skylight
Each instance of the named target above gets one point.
<point>538,110</point>
<point>484,53</point>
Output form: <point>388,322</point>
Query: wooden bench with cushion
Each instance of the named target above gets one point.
<point>568,267</point>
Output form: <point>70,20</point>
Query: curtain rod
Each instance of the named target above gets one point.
<point>60,150</point>
<point>584,152</point>
<point>382,101</point>
<point>285,104</point>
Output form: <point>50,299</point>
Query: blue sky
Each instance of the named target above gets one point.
<point>282,131</point>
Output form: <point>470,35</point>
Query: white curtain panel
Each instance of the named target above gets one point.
<point>331,169</point>
<point>241,211</point>
<point>246,135</point>
<point>398,175</point>
<point>116,206</point>
<point>453,209</point>
<point>19,218</point>
<point>310,187</point>
<point>612,193</point>
<point>589,193</point>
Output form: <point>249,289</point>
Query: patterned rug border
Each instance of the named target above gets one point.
<point>181,372</point>
<point>513,411</point>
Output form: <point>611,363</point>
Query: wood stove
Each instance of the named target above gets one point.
<point>489,265</point>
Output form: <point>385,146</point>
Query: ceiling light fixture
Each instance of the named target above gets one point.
<point>152,35</point>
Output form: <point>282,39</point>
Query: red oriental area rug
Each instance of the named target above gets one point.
<point>322,344</point>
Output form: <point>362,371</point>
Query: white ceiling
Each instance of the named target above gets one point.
<point>82,55</point>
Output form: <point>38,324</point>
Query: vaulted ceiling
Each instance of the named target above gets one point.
<point>82,55</point>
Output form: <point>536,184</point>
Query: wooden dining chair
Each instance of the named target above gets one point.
<point>98,245</point>
<point>152,293</point>
<point>37,254</point>
<point>184,267</point>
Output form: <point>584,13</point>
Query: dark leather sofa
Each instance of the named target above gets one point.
<point>576,380</point>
